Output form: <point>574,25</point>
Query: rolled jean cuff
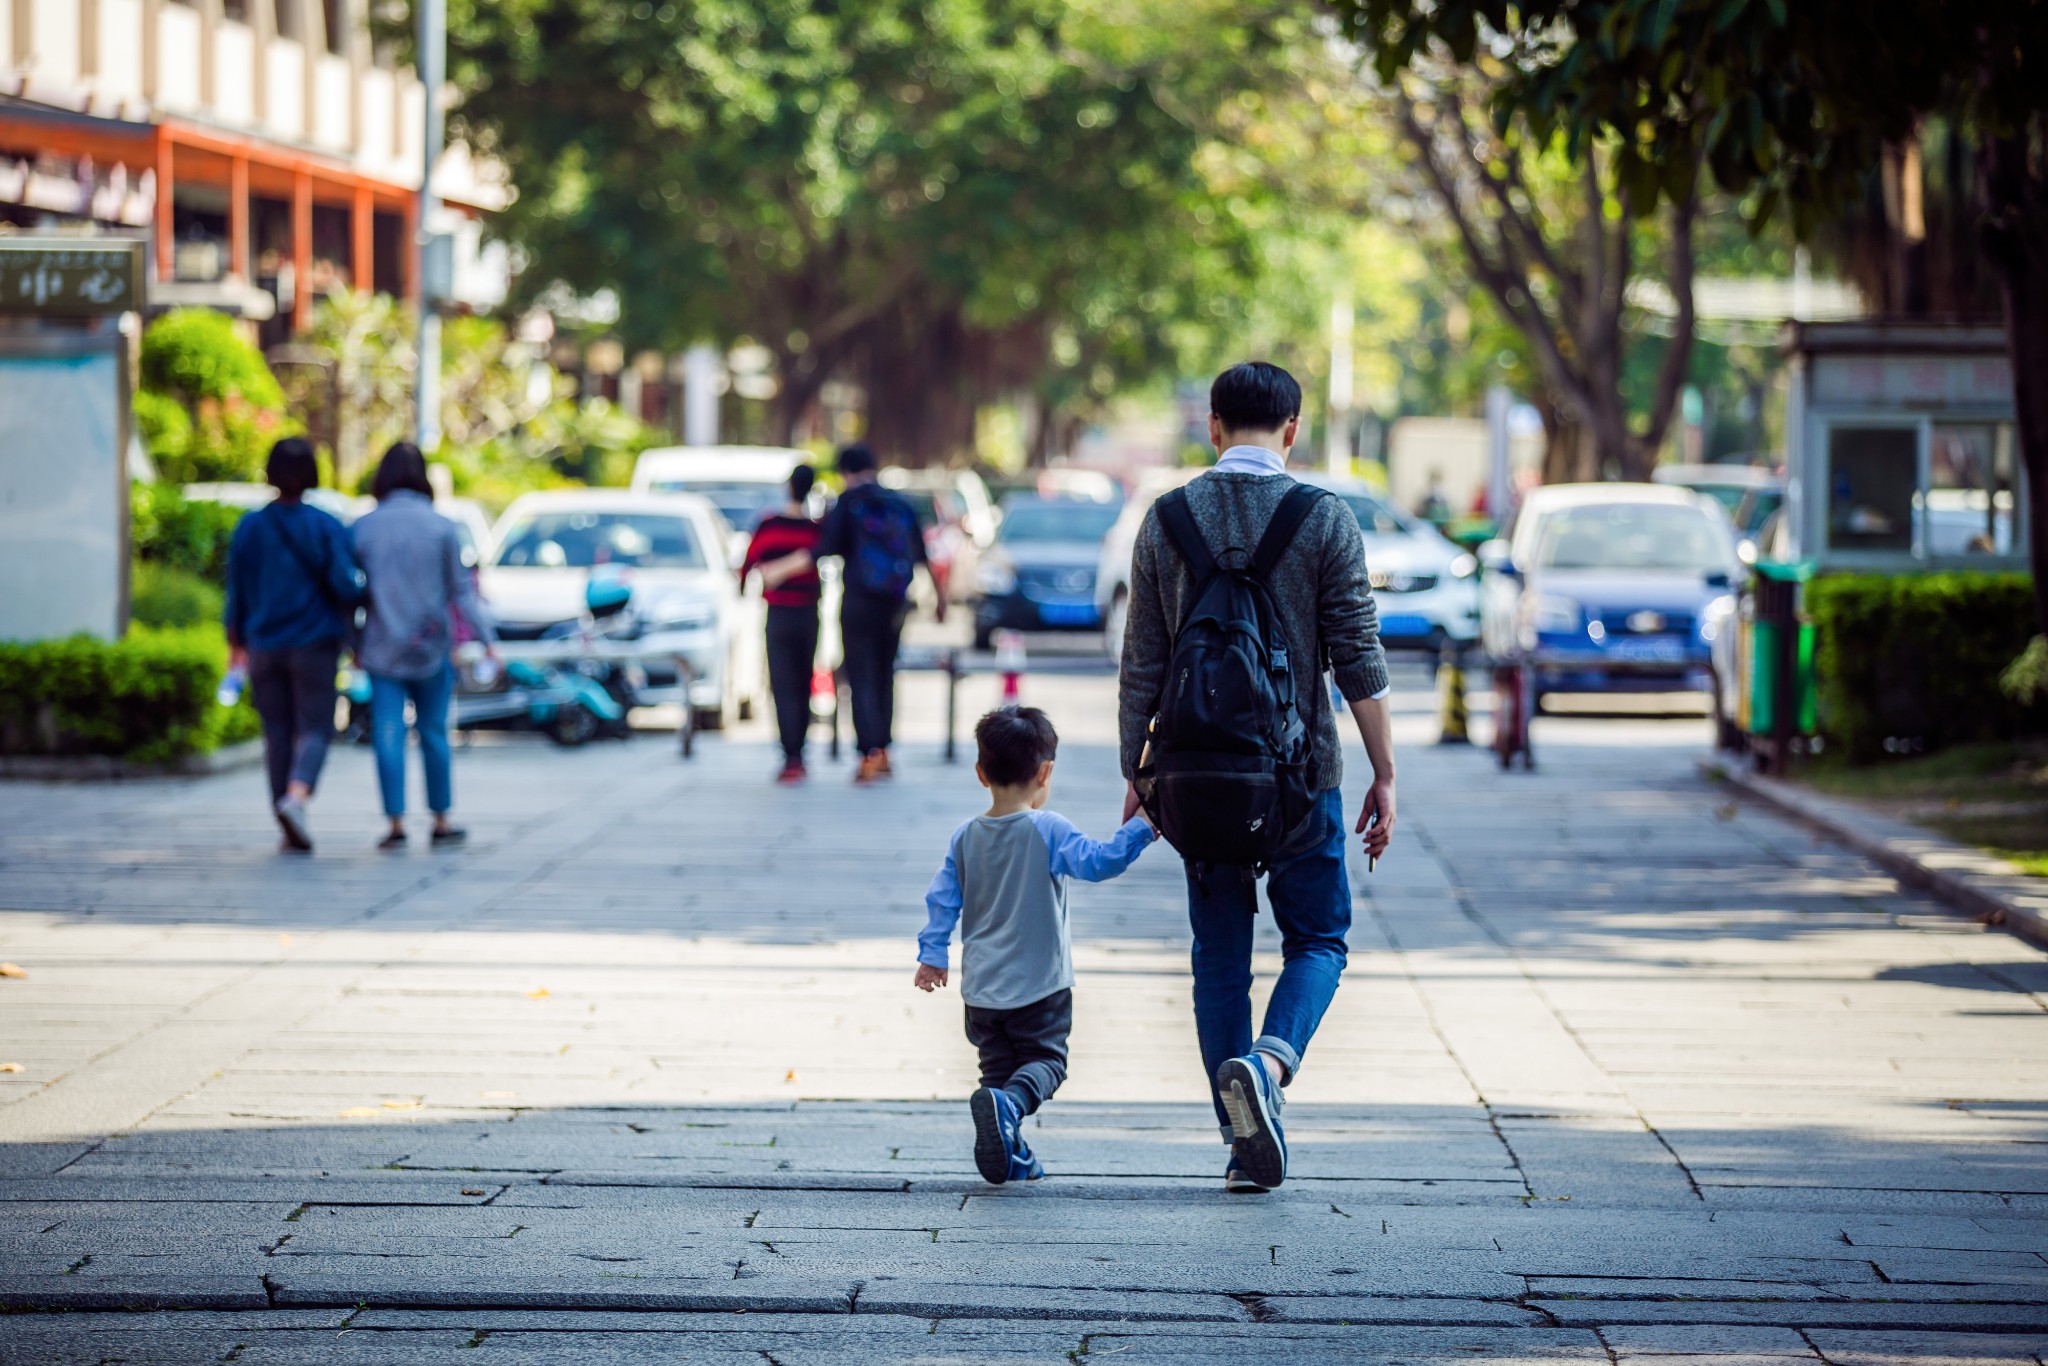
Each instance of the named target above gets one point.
<point>1280,1051</point>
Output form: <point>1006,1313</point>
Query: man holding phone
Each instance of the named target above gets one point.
<point>1323,603</point>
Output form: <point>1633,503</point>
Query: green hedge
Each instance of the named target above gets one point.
<point>159,595</point>
<point>1915,658</point>
<point>148,697</point>
<point>171,530</point>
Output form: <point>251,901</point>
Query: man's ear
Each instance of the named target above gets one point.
<point>1216,433</point>
<point>983,776</point>
<point>1289,432</point>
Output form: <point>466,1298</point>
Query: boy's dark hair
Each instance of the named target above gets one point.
<point>403,467</point>
<point>800,480</point>
<point>1011,742</point>
<point>857,459</point>
<point>1254,396</point>
<point>292,467</point>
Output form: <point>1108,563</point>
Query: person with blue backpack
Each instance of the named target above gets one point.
<point>873,532</point>
<point>1247,587</point>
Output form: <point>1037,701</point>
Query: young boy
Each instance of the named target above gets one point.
<point>1004,884</point>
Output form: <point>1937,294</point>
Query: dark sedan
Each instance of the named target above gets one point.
<point>1040,573</point>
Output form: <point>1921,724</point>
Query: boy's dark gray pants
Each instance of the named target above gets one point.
<point>1024,1051</point>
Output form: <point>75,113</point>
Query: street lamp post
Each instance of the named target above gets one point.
<point>429,245</point>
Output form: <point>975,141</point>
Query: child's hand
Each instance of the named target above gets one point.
<point>928,977</point>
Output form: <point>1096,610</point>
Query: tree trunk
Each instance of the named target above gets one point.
<point>2016,240</point>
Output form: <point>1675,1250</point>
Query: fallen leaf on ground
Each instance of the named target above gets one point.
<point>12,970</point>
<point>537,993</point>
<point>401,1105</point>
<point>790,1075</point>
<point>10,1067</point>
<point>1725,813</point>
<point>471,1190</point>
<point>361,1112</point>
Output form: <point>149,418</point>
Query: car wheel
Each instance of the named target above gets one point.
<point>573,725</point>
<point>1114,623</point>
<point>1728,736</point>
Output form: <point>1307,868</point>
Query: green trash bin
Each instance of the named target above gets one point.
<point>1781,695</point>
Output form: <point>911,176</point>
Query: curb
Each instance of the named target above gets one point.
<point>1980,885</point>
<point>90,768</point>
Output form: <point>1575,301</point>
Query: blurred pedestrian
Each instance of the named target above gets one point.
<point>412,557</point>
<point>292,596</point>
<point>780,551</point>
<point>873,532</point>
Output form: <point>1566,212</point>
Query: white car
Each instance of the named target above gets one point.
<point>744,482</point>
<point>675,554</point>
<point>1425,587</point>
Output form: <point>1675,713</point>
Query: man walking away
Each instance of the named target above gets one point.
<point>874,533</point>
<point>1324,609</point>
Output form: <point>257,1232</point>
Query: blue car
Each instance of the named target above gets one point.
<point>1614,588</point>
<point>1040,573</point>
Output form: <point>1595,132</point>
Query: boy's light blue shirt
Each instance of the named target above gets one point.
<point>1004,884</point>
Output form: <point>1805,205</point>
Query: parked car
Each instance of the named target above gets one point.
<point>674,553</point>
<point>1040,574</point>
<point>251,496</point>
<point>1730,485</point>
<point>1612,588</point>
<point>1113,569</point>
<point>949,551</point>
<point>978,517</point>
<point>743,482</point>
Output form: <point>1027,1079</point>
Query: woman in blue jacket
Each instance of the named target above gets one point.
<point>292,593</point>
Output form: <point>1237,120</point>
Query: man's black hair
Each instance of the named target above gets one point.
<point>1011,742</point>
<point>800,480</point>
<point>1255,396</point>
<point>403,467</point>
<point>292,467</point>
<point>857,459</point>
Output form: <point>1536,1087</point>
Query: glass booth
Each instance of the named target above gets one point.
<point>1901,451</point>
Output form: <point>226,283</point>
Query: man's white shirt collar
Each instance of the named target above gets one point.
<point>1251,460</point>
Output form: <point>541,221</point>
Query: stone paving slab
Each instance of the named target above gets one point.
<point>1617,1073</point>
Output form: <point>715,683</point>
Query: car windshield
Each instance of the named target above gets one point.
<point>1634,536</point>
<point>580,538</point>
<point>1756,508</point>
<point>1374,517</point>
<point>1025,521</point>
<point>741,502</point>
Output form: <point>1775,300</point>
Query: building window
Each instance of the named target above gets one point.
<point>1873,485</point>
<point>1970,489</point>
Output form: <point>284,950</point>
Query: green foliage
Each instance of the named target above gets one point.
<point>2025,680</point>
<point>169,530</point>
<point>161,596</point>
<point>148,697</point>
<point>1919,657</point>
<point>196,359</point>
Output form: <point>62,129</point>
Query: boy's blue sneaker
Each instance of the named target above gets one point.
<point>1000,1152</point>
<point>1253,1103</point>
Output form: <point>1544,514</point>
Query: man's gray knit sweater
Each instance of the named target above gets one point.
<point>1319,586</point>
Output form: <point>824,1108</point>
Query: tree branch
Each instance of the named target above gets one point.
<point>1678,357</point>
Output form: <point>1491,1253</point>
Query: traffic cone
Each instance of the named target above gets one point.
<point>1010,661</point>
<point>1450,696</point>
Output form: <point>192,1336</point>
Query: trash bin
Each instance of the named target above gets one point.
<point>1780,694</point>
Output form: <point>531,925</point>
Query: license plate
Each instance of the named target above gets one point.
<point>1655,650</point>
<point>1067,613</point>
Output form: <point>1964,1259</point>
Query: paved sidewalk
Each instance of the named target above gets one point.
<point>1621,1072</point>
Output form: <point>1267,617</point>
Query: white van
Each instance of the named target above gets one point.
<point>742,482</point>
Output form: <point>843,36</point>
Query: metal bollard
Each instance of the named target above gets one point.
<point>1010,661</point>
<point>1450,692</point>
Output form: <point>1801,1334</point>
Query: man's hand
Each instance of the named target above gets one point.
<point>1131,803</point>
<point>1376,818</point>
<point>928,977</point>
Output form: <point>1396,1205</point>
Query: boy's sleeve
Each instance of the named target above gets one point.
<point>1075,855</point>
<point>942,910</point>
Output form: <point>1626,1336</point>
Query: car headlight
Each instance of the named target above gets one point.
<point>1464,567</point>
<point>682,614</point>
<point>1556,615</point>
<point>995,578</point>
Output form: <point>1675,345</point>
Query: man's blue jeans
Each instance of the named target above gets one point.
<point>1311,899</point>
<point>429,697</point>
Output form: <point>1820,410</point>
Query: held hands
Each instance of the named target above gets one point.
<point>1376,818</point>
<point>928,977</point>
<point>238,658</point>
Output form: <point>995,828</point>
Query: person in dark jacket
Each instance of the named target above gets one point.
<point>292,593</point>
<point>780,550</point>
<point>873,532</point>
<point>412,557</point>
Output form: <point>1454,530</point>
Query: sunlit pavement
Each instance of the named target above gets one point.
<point>1620,1070</point>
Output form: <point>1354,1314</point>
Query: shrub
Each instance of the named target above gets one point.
<point>166,430</point>
<point>1917,658</point>
<point>172,531</point>
<point>148,697</point>
<point>196,359</point>
<point>159,595</point>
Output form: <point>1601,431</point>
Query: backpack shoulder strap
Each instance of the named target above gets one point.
<point>1287,519</point>
<point>1185,535</point>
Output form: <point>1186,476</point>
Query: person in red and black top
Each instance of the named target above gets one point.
<point>781,550</point>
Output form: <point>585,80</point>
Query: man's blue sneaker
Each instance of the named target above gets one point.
<point>1253,1103</point>
<point>1000,1152</point>
<point>1235,1182</point>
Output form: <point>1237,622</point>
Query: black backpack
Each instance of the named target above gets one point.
<point>1227,774</point>
<point>884,557</point>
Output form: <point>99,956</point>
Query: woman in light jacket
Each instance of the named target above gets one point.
<point>412,558</point>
